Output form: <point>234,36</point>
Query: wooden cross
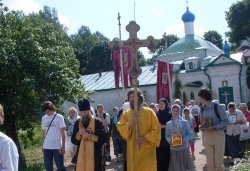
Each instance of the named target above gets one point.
<point>133,44</point>
<point>226,94</point>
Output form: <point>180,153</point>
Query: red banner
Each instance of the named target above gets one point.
<point>162,80</point>
<point>117,66</point>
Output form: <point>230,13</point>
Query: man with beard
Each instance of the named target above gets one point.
<point>89,134</point>
<point>141,150</point>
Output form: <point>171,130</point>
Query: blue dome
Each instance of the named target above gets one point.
<point>188,16</point>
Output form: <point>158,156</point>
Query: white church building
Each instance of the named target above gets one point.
<point>197,63</point>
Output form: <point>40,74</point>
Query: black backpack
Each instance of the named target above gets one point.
<point>215,110</point>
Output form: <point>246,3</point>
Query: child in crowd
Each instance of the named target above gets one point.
<point>192,124</point>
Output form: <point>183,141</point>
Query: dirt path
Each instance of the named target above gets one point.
<point>200,161</point>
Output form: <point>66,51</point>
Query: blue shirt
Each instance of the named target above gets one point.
<point>210,113</point>
<point>184,129</point>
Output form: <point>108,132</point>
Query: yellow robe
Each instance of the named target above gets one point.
<point>143,159</point>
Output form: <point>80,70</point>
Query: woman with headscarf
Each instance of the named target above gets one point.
<point>70,121</point>
<point>178,135</point>
<point>163,151</point>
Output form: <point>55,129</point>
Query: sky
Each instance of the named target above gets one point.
<point>154,17</point>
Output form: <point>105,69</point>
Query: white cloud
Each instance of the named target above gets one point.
<point>27,6</point>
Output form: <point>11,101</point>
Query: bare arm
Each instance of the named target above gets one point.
<point>62,149</point>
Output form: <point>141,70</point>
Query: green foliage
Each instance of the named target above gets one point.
<point>28,139</point>
<point>37,63</point>
<point>177,89</point>
<point>100,59</point>
<point>166,41</point>
<point>238,20</point>
<point>214,37</point>
<point>92,51</point>
<point>32,149</point>
<point>142,59</point>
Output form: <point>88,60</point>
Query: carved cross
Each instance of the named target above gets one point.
<point>133,44</point>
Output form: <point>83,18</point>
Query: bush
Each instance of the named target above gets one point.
<point>242,165</point>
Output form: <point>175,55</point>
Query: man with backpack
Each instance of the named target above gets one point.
<point>213,122</point>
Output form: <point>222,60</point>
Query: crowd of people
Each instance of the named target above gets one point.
<point>155,137</point>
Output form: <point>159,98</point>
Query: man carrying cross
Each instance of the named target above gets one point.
<point>141,150</point>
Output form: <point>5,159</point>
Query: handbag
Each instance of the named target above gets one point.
<point>244,132</point>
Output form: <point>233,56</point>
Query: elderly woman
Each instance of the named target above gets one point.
<point>245,111</point>
<point>70,121</point>
<point>235,148</point>
<point>178,135</point>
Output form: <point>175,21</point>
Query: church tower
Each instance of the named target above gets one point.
<point>188,19</point>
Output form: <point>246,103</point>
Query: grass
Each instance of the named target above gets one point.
<point>32,149</point>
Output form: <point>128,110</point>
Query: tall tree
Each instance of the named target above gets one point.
<point>238,20</point>
<point>37,63</point>
<point>177,89</point>
<point>142,59</point>
<point>100,59</point>
<point>166,41</point>
<point>214,37</point>
<point>83,42</point>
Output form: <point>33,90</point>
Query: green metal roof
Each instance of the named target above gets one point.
<point>190,42</point>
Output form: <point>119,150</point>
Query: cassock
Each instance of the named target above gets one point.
<point>144,158</point>
<point>90,151</point>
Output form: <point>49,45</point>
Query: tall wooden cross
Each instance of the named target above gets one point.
<point>133,44</point>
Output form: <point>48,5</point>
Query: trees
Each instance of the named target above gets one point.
<point>177,89</point>
<point>238,20</point>
<point>214,37</point>
<point>92,51</point>
<point>166,41</point>
<point>37,63</point>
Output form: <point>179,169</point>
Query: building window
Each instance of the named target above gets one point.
<point>190,65</point>
<point>224,83</point>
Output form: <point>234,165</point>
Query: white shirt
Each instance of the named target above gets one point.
<point>53,137</point>
<point>194,110</point>
<point>8,154</point>
<point>234,129</point>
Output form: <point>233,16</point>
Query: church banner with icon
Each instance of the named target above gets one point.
<point>162,79</point>
<point>226,95</point>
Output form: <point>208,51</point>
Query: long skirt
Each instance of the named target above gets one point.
<point>181,161</point>
<point>163,158</point>
<point>234,147</point>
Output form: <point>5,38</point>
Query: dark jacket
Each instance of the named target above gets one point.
<point>102,138</point>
